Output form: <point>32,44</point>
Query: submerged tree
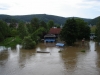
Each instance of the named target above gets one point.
<point>69,31</point>
<point>37,34</point>
<point>28,43</point>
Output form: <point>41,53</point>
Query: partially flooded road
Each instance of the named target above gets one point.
<point>71,61</point>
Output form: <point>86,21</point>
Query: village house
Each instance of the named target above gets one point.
<point>52,35</point>
<point>55,31</point>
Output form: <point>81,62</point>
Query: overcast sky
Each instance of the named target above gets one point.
<point>64,8</point>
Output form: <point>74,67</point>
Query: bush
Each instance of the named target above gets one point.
<point>11,42</point>
<point>28,43</point>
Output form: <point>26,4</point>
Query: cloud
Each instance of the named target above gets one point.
<point>4,7</point>
<point>65,8</point>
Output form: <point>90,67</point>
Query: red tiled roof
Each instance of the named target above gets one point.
<point>55,31</point>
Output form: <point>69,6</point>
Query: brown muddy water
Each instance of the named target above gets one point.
<point>71,61</point>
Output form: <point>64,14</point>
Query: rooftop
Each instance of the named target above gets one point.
<point>55,31</point>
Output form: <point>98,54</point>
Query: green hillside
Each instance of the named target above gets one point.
<point>44,17</point>
<point>94,21</point>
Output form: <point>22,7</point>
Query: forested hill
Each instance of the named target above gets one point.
<point>44,17</point>
<point>94,21</point>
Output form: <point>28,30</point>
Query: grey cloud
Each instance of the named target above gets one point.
<point>4,8</point>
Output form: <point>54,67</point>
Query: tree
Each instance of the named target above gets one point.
<point>37,34</point>
<point>22,30</point>
<point>43,24</point>
<point>29,28</point>
<point>35,23</point>
<point>14,32</point>
<point>4,30</point>
<point>50,23</point>
<point>28,43</point>
<point>57,25</point>
<point>1,37</point>
<point>98,31</point>
<point>83,29</point>
<point>69,31</point>
<point>13,23</point>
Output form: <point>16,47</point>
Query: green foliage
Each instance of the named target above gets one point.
<point>87,32</point>
<point>93,29</point>
<point>83,29</point>
<point>69,31</point>
<point>57,25</point>
<point>98,32</point>
<point>28,43</point>
<point>27,18</point>
<point>94,21</point>
<point>29,28</point>
<point>36,29</point>
<point>35,23</point>
<point>74,29</point>
<point>43,24</point>
<point>13,24</point>
<point>1,37</point>
<point>50,23</point>
<point>36,35</point>
<point>11,42</point>
<point>14,32</point>
<point>4,30</point>
<point>22,30</point>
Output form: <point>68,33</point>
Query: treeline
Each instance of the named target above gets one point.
<point>78,29</point>
<point>29,34</point>
<point>74,29</point>
<point>43,17</point>
<point>97,31</point>
<point>4,30</point>
<point>94,21</point>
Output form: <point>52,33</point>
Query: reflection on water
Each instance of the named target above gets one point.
<point>71,61</point>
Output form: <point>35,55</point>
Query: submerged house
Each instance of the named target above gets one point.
<point>52,35</point>
<point>49,38</point>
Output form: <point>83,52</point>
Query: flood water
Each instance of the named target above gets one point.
<point>71,61</point>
